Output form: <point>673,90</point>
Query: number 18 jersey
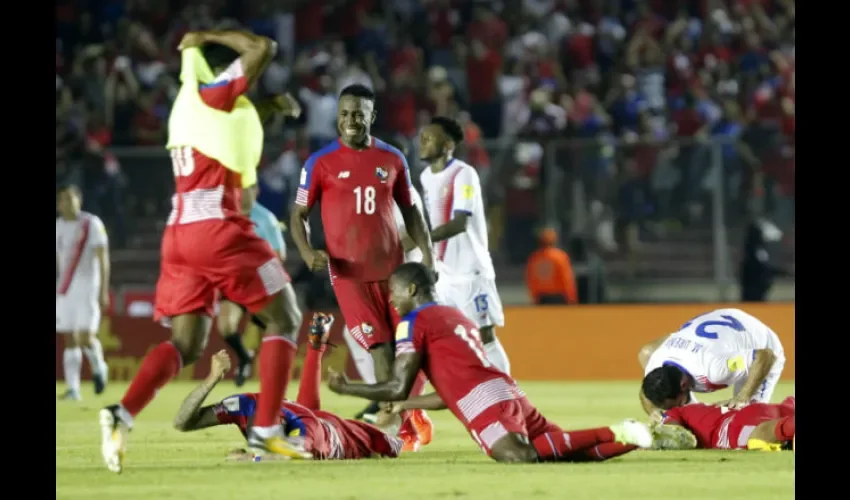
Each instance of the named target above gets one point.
<point>716,349</point>
<point>454,360</point>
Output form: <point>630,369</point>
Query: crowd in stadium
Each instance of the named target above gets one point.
<point>635,72</point>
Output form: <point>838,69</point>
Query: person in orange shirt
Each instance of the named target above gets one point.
<point>549,273</point>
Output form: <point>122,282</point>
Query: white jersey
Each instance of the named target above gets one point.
<point>76,241</point>
<point>717,350</point>
<point>414,255</point>
<point>458,189</point>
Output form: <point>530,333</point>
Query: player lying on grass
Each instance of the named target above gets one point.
<point>759,426</point>
<point>716,350</point>
<point>325,435</point>
<point>445,344</point>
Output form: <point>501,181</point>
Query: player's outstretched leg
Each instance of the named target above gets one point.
<point>93,350</point>
<point>283,319</point>
<point>228,320</point>
<point>189,334</point>
<point>72,362</point>
<point>773,435</point>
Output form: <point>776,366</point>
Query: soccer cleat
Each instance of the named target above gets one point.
<point>99,382</point>
<point>277,445</point>
<point>70,395</point>
<point>243,373</point>
<point>632,432</point>
<point>761,445</point>
<point>423,425</point>
<point>320,330</point>
<point>409,436</point>
<point>672,437</point>
<point>114,433</point>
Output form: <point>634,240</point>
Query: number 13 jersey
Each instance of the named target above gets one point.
<point>356,190</point>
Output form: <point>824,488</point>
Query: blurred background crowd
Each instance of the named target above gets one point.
<point>648,136</point>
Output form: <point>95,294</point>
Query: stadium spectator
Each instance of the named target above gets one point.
<point>549,273</point>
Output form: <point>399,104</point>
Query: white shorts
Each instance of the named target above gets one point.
<point>477,298</point>
<point>77,314</point>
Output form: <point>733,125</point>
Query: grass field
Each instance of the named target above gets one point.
<point>163,463</point>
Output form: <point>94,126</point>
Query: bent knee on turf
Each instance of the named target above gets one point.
<point>513,448</point>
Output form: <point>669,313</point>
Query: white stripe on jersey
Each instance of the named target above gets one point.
<point>198,205</point>
<point>485,395</point>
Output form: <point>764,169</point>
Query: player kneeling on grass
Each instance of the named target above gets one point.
<point>325,435</point>
<point>446,345</point>
<point>759,426</point>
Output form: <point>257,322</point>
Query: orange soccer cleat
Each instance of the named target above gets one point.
<point>423,425</point>
<point>408,434</point>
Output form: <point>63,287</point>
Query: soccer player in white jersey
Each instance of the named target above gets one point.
<point>82,266</point>
<point>452,193</point>
<point>720,349</point>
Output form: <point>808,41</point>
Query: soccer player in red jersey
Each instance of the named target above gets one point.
<point>356,179</point>
<point>208,247</point>
<point>757,426</point>
<point>446,345</point>
<point>324,434</point>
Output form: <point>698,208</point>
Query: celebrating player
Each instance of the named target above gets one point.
<point>357,179</point>
<point>445,344</point>
<point>722,348</point>
<point>759,426</point>
<point>456,211</point>
<point>82,264</point>
<point>325,435</point>
<point>229,317</point>
<point>215,140</point>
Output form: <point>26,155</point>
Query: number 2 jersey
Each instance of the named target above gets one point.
<point>454,360</point>
<point>716,349</point>
<point>326,436</point>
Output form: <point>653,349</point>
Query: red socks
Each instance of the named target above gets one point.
<point>276,356</point>
<point>311,378</point>
<point>786,428</point>
<point>579,446</point>
<point>159,366</point>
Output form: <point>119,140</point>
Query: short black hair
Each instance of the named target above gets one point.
<point>662,383</point>
<point>68,187</point>
<point>218,55</point>
<point>417,274</point>
<point>450,126</point>
<point>358,90</point>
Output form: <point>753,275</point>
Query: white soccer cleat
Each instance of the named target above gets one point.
<point>672,437</point>
<point>114,433</point>
<point>632,432</point>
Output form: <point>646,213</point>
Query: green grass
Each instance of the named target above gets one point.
<point>163,463</point>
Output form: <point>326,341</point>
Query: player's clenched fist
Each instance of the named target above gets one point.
<point>317,260</point>
<point>191,39</point>
<point>337,381</point>
<point>220,365</point>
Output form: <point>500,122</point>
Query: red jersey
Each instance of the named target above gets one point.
<point>357,190</point>
<point>718,427</point>
<point>326,436</point>
<point>205,189</point>
<point>454,360</point>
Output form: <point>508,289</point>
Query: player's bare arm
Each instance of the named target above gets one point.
<point>255,51</point>
<point>760,368</point>
<point>285,105</point>
<point>647,350</point>
<point>316,260</point>
<point>431,401</point>
<point>414,225</point>
<point>397,388</point>
<point>102,256</point>
<point>191,416</point>
<point>452,228</point>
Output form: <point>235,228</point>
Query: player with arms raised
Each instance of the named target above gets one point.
<point>209,246</point>
<point>719,349</point>
<point>445,344</point>
<point>82,264</point>
<point>325,435</point>
<point>357,179</point>
<point>456,211</point>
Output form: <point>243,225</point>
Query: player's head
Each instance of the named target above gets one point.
<point>249,197</point>
<point>411,285</point>
<point>68,200</point>
<point>355,113</point>
<point>666,387</point>
<point>218,56</point>
<point>439,139</point>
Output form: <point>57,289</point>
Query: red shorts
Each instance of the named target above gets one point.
<point>359,440</point>
<point>509,417</point>
<point>735,432</point>
<point>227,256</point>
<point>365,306</point>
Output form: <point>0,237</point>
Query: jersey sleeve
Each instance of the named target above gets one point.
<point>466,185</point>
<point>222,92</point>
<point>729,368</point>
<point>97,234</point>
<point>234,409</point>
<point>673,416</point>
<point>403,185</point>
<point>405,339</point>
<point>310,185</point>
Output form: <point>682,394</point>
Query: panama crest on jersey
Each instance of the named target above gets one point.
<point>367,329</point>
<point>382,174</point>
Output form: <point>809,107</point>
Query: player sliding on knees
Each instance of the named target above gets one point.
<point>722,348</point>
<point>209,246</point>
<point>358,179</point>
<point>467,279</point>
<point>758,426</point>
<point>446,345</point>
<point>325,435</point>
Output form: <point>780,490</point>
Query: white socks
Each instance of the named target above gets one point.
<point>94,355</point>
<point>362,359</point>
<point>497,355</point>
<point>72,363</point>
